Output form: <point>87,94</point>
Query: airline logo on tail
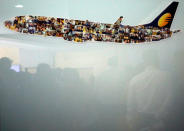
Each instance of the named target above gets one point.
<point>164,20</point>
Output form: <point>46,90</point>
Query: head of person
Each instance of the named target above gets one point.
<point>5,62</point>
<point>121,18</point>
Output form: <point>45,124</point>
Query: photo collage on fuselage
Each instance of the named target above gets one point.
<point>81,31</point>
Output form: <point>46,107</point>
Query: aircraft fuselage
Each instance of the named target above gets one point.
<point>81,31</point>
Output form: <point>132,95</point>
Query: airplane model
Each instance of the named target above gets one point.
<point>81,31</point>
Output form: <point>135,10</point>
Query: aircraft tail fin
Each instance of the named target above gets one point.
<point>165,19</point>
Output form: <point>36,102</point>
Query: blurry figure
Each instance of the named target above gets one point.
<point>109,83</point>
<point>149,95</point>
<point>78,105</point>
<point>58,77</point>
<point>25,78</point>
<point>44,78</point>
<point>109,90</point>
<point>175,116</point>
<point>7,76</point>
<point>8,82</point>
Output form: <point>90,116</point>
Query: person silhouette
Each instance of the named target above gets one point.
<point>7,76</point>
<point>149,95</point>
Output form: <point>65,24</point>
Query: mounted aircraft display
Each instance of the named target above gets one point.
<point>81,31</point>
